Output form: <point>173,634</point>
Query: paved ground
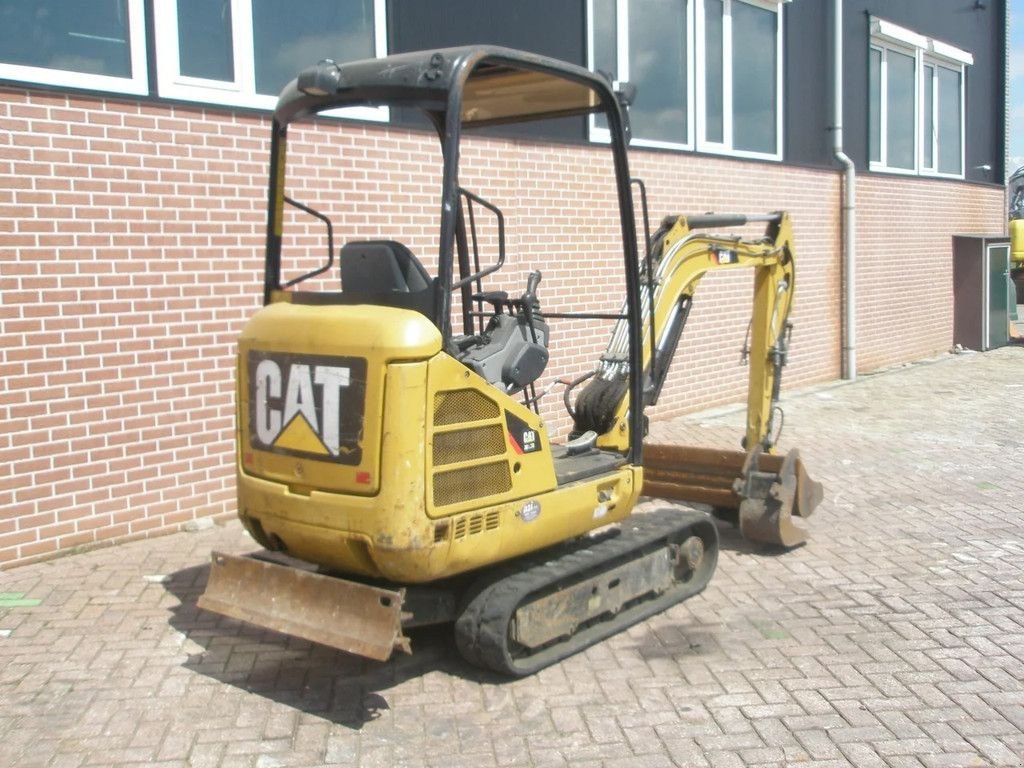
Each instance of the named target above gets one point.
<point>895,638</point>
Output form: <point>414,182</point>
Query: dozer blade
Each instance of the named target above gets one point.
<point>347,615</point>
<point>765,490</point>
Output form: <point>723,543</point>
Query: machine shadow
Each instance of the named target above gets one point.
<point>691,638</point>
<point>731,540</point>
<point>343,688</point>
<point>729,537</point>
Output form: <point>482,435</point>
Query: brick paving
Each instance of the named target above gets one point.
<point>894,638</point>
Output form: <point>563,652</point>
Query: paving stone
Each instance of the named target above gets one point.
<point>893,639</point>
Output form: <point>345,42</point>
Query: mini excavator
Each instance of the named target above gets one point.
<point>399,474</point>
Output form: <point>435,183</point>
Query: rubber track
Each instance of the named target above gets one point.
<point>481,631</point>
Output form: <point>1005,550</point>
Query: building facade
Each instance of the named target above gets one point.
<point>132,209</point>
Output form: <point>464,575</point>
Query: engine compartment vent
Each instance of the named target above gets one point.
<point>462,405</point>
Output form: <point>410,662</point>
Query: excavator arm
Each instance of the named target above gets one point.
<point>764,489</point>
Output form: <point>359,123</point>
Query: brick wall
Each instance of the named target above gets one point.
<point>904,275</point>
<point>131,255</point>
<point>129,260</point>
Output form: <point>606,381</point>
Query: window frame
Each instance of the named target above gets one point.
<point>883,93</point>
<point>241,92</point>
<point>599,133</point>
<point>937,65</point>
<point>695,93</point>
<point>926,52</point>
<point>725,147</point>
<point>137,84</point>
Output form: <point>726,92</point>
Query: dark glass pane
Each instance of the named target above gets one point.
<point>927,127</point>
<point>657,66</point>
<point>949,122</point>
<point>875,104</point>
<point>714,129</point>
<point>605,35</point>
<point>88,36</point>
<point>753,78</point>
<point>204,39</point>
<point>900,110</point>
<point>606,30</point>
<point>288,37</point>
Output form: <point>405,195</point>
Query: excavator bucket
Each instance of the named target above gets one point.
<point>352,617</point>
<point>763,490</point>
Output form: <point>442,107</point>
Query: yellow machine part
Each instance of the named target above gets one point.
<point>685,258</point>
<point>380,500</point>
<point>764,491</point>
<point>1017,241</point>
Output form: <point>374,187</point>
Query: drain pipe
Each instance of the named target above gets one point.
<point>849,217</point>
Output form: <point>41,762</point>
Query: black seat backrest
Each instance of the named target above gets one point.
<point>379,266</point>
<point>386,272</point>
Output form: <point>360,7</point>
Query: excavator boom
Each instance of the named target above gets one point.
<point>762,490</point>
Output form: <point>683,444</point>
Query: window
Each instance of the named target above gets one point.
<point>647,44</point>
<point>243,52</point>
<point>916,97</point>
<point>739,77</point>
<point>708,73</point>
<point>55,42</point>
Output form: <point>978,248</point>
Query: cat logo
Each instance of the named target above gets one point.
<point>307,405</point>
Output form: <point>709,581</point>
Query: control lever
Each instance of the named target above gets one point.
<point>529,298</point>
<point>531,306</point>
<point>532,282</point>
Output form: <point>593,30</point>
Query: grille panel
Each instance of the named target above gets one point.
<point>459,405</point>
<point>468,444</point>
<point>470,525</point>
<point>455,485</point>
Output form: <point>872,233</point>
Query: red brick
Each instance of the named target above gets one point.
<point>18,538</point>
<point>38,548</point>
<point>140,263</point>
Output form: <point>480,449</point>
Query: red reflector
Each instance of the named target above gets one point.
<point>363,478</point>
<point>248,458</point>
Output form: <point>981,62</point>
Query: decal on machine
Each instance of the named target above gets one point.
<point>307,405</point>
<point>524,438</point>
<point>530,511</point>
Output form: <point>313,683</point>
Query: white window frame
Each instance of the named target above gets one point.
<point>137,84</point>
<point>241,92</point>
<point>959,69</point>
<point>600,133</point>
<point>929,142</point>
<point>883,95</point>
<point>926,52</point>
<point>725,147</point>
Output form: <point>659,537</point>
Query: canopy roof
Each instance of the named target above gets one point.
<point>491,85</point>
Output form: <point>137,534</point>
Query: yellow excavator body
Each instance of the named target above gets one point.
<point>398,473</point>
<point>1017,241</point>
<point>432,479</point>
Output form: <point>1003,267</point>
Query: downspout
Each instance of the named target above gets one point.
<point>849,211</point>
<point>1006,107</point>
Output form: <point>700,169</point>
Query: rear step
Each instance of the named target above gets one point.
<point>766,490</point>
<point>343,614</point>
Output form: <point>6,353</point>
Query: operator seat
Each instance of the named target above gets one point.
<point>386,272</point>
